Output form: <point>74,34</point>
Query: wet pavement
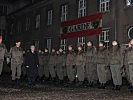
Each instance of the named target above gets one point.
<point>47,91</point>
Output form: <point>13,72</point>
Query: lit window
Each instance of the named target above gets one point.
<point>50,14</point>
<point>104,37</point>
<point>81,13</point>
<point>64,12</point>
<point>104,5</point>
<point>82,8</point>
<point>38,21</point>
<point>63,44</point>
<point>49,44</point>
<point>81,40</point>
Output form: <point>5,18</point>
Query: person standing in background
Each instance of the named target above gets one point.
<point>32,64</point>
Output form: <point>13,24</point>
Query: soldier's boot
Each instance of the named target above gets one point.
<point>131,89</point>
<point>102,86</point>
<point>17,81</point>
<point>91,84</point>
<point>13,82</point>
<point>79,84</point>
<point>117,87</point>
<point>61,82</point>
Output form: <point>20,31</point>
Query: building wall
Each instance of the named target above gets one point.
<point>117,20</point>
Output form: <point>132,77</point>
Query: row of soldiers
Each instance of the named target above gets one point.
<point>93,64</point>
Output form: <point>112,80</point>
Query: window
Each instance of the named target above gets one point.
<point>104,5</point>
<point>63,44</point>
<point>130,33</point>
<point>50,14</point>
<point>49,44</point>
<point>129,2</point>
<point>82,8</point>
<point>81,40</point>
<point>19,27</point>
<point>38,21</point>
<point>64,12</point>
<point>82,13</point>
<point>27,24</point>
<point>104,37</point>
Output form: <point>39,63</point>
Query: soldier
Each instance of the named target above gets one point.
<point>52,64</point>
<point>3,52</point>
<point>46,66</point>
<point>60,63</point>
<point>91,69</point>
<point>41,64</point>
<point>70,64</point>
<point>80,65</point>
<point>102,62</point>
<point>16,54</point>
<point>116,63</point>
<point>129,64</point>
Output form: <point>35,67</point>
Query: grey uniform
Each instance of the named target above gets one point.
<point>91,68</point>
<point>41,65</point>
<point>16,54</point>
<point>116,63</point>
<point>3,52</point>
<point>60,64</point>
<point>102,62</point>
<point>46,66</point>
<point>80,65</point>
<point>70,66</point>
<point>52,65</point>
<point>129,64</point>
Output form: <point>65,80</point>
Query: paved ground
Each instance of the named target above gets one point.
<point>50,92</point>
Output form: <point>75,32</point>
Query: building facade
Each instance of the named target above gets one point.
<point>41,22</point>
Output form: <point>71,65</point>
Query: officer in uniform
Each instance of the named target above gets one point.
<point>60,63</point>
<point>102,63</point>
<point>116,63</point>
<point>91,69</point>
<point>41,64</point>
<point>3,53</point>
<point>16,55</point>
<point>129,64</point>
<point>46,66</point>
<point>52,64</point>
<point>70,64</point>
<point>80,65</point>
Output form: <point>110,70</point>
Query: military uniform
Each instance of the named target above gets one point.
<point>91,68</point>
<point>16,54</point>
<point>60,63</point>
<point>129,65</point>
<point>41,65</point>
<point>46,65</point>
<point>70,66</point>
<point>116,63</point>
<point>80,65</point>
<point>52,65</point>
<point>102,62</point>
<point>3,52</point>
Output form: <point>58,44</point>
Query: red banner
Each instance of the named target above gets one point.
<point>84,32</point>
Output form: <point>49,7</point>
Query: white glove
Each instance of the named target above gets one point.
<point>27,66</point>
<point>8,60</point>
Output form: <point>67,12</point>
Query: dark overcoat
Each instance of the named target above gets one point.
<point>31,60</point>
